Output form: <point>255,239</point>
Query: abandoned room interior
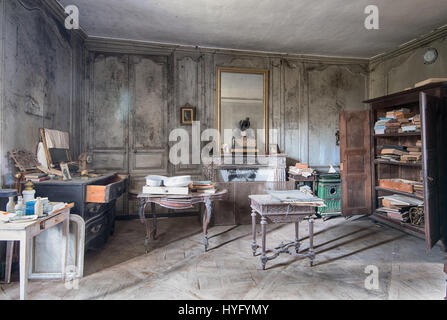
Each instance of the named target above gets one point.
<point>223,150</point>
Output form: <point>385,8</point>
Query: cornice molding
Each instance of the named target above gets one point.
<point>144,47</point>
<point>421,41</point>
<point>59,12</point>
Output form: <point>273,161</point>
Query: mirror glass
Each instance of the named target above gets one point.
<point>242,109</point>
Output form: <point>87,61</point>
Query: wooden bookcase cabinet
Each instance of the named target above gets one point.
<point>431,103</point>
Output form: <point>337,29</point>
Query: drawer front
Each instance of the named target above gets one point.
<point>107,193</point>
<point>95,229</point>
<point>93,210</point>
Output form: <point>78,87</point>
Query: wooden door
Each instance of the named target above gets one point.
<point>355,157</point>
<point>434,137</point>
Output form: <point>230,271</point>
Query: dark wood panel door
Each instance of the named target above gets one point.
<point>434,136</point>
<point>355,156</point>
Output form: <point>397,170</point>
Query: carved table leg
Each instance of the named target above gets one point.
<point>206,221</point>
<point>254,245</point>
<point>311,241</point>
<point>144,220</point>
<point>263,252</point>
<point>297,237</point>
<point>154,218</point>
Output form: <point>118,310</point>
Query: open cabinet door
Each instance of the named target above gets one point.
<point>355,149</point>
<point>434,138</point>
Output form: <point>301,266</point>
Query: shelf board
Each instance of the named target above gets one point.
<point>403,225</point>
<point>399,192</point>
<point>380,161</point>
<point>404,134</point>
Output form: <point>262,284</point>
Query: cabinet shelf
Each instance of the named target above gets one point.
<point>399,192</point>
<point>403,225</point>
<point>404,134</point>
<point>415,165</point>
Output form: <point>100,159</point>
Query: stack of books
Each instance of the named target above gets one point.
<point>414,154</point>
<point>413,124</point>
<point>301,169</point>
<point>206,187</point>
<point>392,153</point>
<point>418,189</point>
<point>380,126</point>
<point>397,207</point>
<point>404,154</point>
<point>37,177</point>
<point>398,121</point>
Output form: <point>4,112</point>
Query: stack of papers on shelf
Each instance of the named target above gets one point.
<point>397,207</point>
<point>398,121</point>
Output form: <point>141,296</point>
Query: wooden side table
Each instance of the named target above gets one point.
<point>24,232</point>
<point>177,202</point>
<point>276,211</point>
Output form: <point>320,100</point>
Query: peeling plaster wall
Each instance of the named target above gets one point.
<point>390,75</point>
<point>305,99</point>
<point>42,77</point>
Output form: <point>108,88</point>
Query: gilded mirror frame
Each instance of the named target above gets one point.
<point>265,74</point>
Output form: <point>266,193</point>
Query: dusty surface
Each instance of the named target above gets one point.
<point>177,268</point>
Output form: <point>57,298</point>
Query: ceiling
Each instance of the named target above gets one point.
<point>323,27</point>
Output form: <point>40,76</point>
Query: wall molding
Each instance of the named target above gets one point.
<point>59,12</point>
<point>2,87</point>
<point>145,47</point>
<point>409,46</point>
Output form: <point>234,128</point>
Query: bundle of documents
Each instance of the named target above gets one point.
<point>404,154</point>
<point>301,169</point>
<point>398,121</point>
<point>37,177</point>
<point>206,187</point>
<point>297,197</point>
<point>397,207</point>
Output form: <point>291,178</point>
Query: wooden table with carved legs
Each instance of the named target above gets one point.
<point>177,202</point>
<point>269,208</point>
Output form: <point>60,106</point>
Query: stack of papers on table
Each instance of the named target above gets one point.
<point>297,197</point>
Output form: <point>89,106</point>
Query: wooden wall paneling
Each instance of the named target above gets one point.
<point>108,119</point>
<point>189,89</point>
<point>148,131</point>
<point>291,115</point>
<point>110,112</point>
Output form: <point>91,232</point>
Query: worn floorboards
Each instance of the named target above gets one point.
<point>177,268</point>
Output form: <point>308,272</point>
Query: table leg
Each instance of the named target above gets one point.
<point>65,235</point>
<point>24,265</point>
<point>143,219</point>
<point>8,263</point>
<point>297,237</point>
<point>263,252</point>
<point>154,219</point>
<point>445,270</point>
<point>311,241</point>
<point>254,245</point>
<point>206,221</point>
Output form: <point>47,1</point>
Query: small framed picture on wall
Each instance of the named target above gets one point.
<point>187,115</point>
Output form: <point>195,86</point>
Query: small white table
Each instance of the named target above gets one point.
<point>24,232</point>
